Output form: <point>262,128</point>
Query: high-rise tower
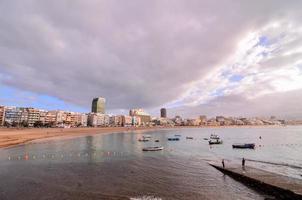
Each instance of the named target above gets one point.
<point>98,105</point>
<point>163,112</point>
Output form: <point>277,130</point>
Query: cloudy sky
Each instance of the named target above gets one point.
<point>239,58</point>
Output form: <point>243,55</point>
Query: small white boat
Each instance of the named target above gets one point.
<point>146,136</point>
<point>153,148</point>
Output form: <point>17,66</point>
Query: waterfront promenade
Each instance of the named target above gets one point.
<point>282,187</point>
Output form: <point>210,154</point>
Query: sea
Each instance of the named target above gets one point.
<point>113,166</point>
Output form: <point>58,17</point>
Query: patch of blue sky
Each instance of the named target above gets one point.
<point>263,41</point>
<point>236,78</point>
<point>10,96</point>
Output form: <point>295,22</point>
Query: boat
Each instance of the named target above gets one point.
<point>156,141</point>
<point>146,136</point>
<point>177,135</point>
<point>189,138</point>
<point>214,137</point>
<point>206,138</point>
<point>143,139</point>
<point>153,148</point>
<point>217,141</point>
<point>244,146</point>
<point>173,139</point>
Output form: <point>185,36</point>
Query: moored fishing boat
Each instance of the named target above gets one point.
<point>153,148</point>
<point>217,141</point>
<point>244,145</point>
<point>189,138</point>
<point>173,139</point>
<point>143,139</point>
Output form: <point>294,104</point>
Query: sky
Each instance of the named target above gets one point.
<point>210,57</point>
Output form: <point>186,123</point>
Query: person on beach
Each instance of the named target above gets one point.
<point>222,163</point>
<point>243,163</point>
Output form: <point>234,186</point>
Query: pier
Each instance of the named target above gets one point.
<point>279,186</point>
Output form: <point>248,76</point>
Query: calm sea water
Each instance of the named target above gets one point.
<point>113,166</point>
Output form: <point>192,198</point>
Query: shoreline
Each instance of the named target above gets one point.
<point>11,137</point>
<point>15,137</point>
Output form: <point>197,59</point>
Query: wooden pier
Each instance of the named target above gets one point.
<point>281,187</point>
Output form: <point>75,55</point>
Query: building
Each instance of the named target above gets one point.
<point>42,116</point>
<point>163,112</point>
<point>126,120</point>
<point>178,121</point>
<point>2,115</point>
<point>98,119</point>
<point>98,105</point>
<point>33,116</point>
<point>163,122</point>
<point>203,120</point>
<point>144,117</point>
<point>23,117</point>
<point>136,121</point>
<point>13,115</point>
<point>220,120</point>
<point>191,122</point>
<point>51,118</point>
<point>115,120</point>
<point>84,120</point>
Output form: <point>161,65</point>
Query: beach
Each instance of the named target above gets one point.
<point>15,136</point>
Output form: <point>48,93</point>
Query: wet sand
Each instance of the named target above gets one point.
<point>11,137</point>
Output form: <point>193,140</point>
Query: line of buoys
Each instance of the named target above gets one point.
<point>62,156</point>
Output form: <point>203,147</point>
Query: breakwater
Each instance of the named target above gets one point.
<point>279,186</point>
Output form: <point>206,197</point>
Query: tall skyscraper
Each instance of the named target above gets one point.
<point>163,112</point>
<point>98,105</point>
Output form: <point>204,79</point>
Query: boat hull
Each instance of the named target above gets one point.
<point>153,148</point>
<point>243,146</point>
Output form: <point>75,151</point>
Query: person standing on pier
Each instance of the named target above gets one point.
<point>222,163</point>
<point>243,163</point>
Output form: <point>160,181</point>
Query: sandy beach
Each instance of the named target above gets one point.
<point>11,137</point>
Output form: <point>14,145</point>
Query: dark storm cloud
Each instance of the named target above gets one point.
<point>133,53</point>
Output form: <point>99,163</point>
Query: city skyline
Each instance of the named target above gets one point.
<point>191,58</point>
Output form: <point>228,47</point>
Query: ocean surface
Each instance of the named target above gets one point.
<point>113,166</point>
